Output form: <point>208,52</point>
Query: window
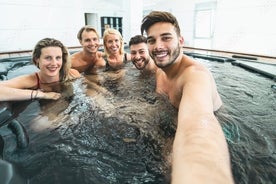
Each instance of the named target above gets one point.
<point>111,22</point>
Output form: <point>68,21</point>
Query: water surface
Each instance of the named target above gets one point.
<point>117,130</point>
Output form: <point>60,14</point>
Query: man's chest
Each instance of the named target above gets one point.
<point>171,89</point>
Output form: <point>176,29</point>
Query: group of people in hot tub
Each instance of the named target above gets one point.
<point>200,152</point>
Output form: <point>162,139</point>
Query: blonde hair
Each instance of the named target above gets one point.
<point>51,42</point>
<point>86,28</point>
<point>115,32</point>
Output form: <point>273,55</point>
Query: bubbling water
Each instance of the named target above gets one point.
<point>97,133</point>
<point>113,128</point>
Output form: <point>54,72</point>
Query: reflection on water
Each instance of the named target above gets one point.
<point>113,128</point>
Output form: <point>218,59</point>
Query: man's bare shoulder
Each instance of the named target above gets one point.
<point>159,72</point>
<point>76,56</point>
<point>195,73</point>
<point>192,65</point>
<point>192,72</point>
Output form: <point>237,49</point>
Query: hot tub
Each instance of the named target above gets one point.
<point>122,132</point>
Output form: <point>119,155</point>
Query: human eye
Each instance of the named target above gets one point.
<point>142,52</point>
<point>58,58</point>
<point>133,52</point>
<point>150,41</point>
<point>48,58</point>
<point>166,38</point>
<point>87,40</point>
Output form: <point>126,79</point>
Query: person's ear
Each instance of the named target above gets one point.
<point>80,42</point>
<point>37,62</point>
<point>181,41</point>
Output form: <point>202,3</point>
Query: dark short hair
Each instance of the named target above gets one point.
<point>159,16</point>
<point>137,39</point>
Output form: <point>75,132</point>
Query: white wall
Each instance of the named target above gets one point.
<point>240,26</point>
<point>136,16</point>
<point>183,10</point>
<point>23,23</point>
<point>247,26</point>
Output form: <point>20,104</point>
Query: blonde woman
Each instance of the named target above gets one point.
<point>115,56</point>
<point>52,59</point>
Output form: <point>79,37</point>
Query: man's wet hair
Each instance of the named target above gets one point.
<point>159,16</point>
<point>137,39</point>
<point>86,28</point>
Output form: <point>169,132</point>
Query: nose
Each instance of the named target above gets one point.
<point>113,43</point>
<point>158,44</point>
<point>137,56</point>
<point>55,60</point>
<point>91,42</point>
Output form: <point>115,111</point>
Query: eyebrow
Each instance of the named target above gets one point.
<point>163,34</point>
<point>143,49</point>
<point>149,37</point>
<point>166,34</point>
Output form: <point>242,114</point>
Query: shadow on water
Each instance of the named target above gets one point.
<point>113,128</point>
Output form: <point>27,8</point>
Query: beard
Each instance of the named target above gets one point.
<point>144,64</point>
<point>172,57</point>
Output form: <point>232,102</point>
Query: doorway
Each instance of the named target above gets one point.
<point>91,19</point>
<point>204,23</point>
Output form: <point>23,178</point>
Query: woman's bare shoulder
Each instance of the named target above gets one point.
<point>21,82</point>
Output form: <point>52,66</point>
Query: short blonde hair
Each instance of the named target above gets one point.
<point>86,28</point>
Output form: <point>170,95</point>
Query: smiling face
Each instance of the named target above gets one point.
<point>50,63</point>
<point>139,55</point>
<point>113,43</point>
<point>163,43</point>
<point>89,41</point>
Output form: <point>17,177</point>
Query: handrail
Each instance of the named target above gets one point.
<point>231,52</point>
<point>185,47</point>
